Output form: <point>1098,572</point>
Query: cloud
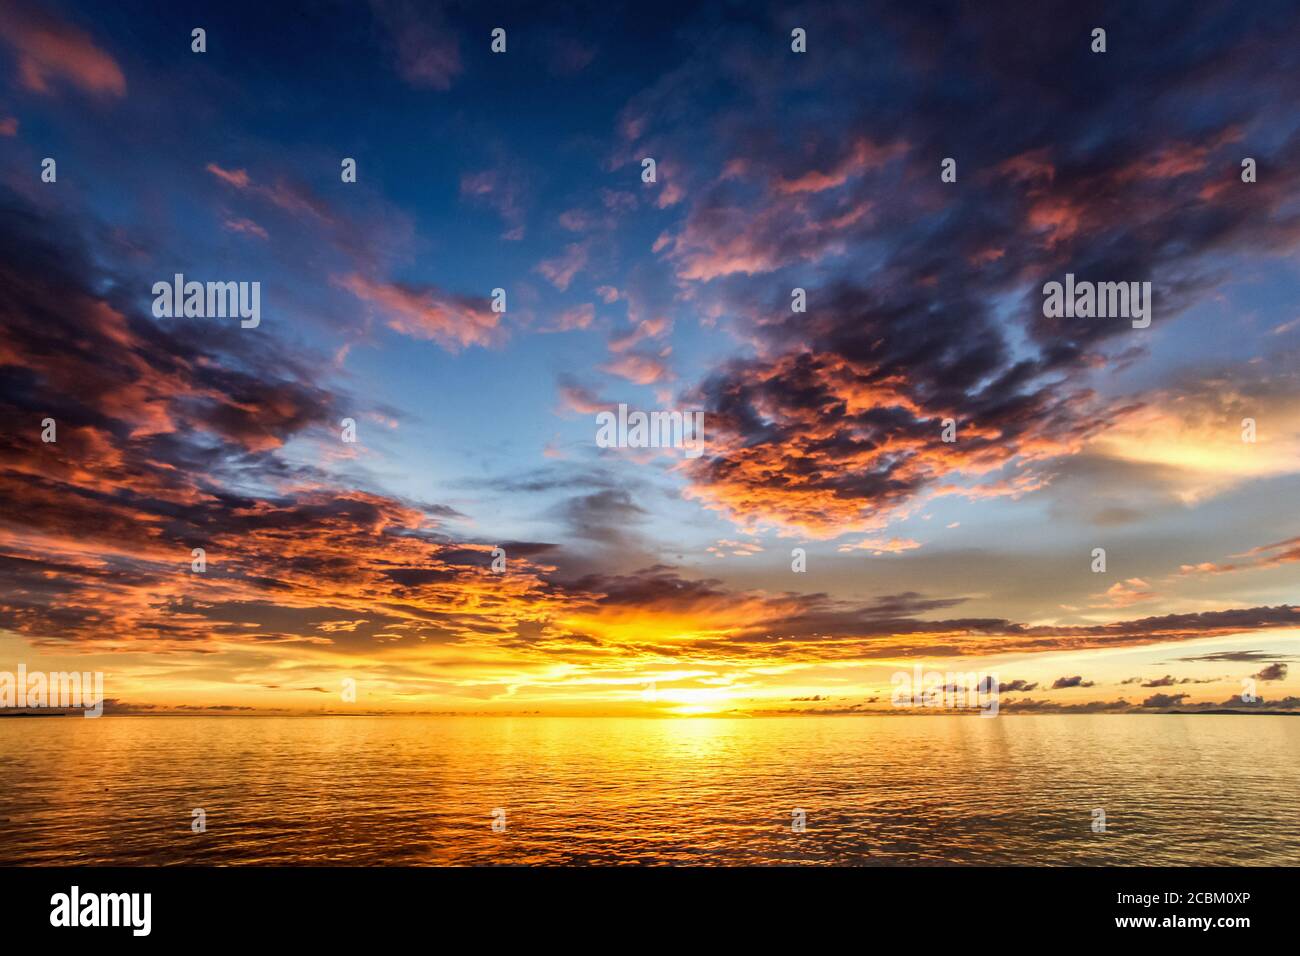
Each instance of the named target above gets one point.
<point>502,191</point>
<point>1164,700</point>
<point>246,226</point>
<point>1126,593</point>
<point>560,270</point>
<point>606,518</point>
<point>881,545</point>
<point>577,398</point>
<point>839,438</point>
<point>427,50</point>
<point>738,549</point>
<point>1154,703</point>
<point>670,189</point>
<point>426,312</point>
<point>292,198</point>
<point>1248,657</point>
<point>640,368</point>
<point>925,304</point>
<point>173,436</point>
<point>730,238</point>
<point>1027,705</point>
<point>162,429</point>
<point>238,178</point>
<point>1063,682</point>
<point>863,155</point>
<point>711,620</point>
<point>1016,685</point>
<point>643,330</point>
<point>50,51</point>
<point>1265,556</point>
<point>578,317</point>
<point>1169,681</point>
<point>1275,671</point>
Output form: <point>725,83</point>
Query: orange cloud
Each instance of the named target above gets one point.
<point>1265,556</point>
<point>821,446</point>
<point>1126,593</point>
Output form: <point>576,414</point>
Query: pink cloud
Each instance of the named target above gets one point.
<point>618,200</point>
<point>292,199</point>
<point>579,317</point>
<point>863,157</point>
<point>50,50</point>
<point>576,398</point>
<point>638,368</point>
<point>1030,167</point>
<point>671,194</point>
<point>428,54</point>
<point>561,270</point>
<point>576,220</point>
<point>726,239</point>
<point>500,191</point>
<point>234,177</point>
<point>428,313</point>
<point>645,329</point>
<point>245,226</point>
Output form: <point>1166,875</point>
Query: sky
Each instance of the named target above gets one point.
<point>827,537</point>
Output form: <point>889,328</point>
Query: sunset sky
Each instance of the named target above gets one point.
<point>644,581</point>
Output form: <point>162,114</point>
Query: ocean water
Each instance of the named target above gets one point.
<point>1203,789</point>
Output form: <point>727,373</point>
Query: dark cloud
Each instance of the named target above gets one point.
<point>1246,657</point>
<point>1169,681</point>
<point>1027,705</point>
<point>1062,682</point>
<point>869,373</point>
<point>818,626</point>
<point>170,436</point>
<point>607,519</point>
<point>1164,700</point>
<point>1016,685</point>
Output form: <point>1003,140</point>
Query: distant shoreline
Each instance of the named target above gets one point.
<point>732,716</point>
